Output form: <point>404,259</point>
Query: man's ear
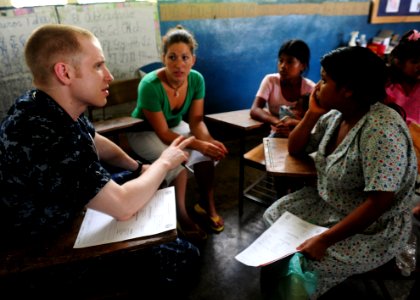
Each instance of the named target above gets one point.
<point>194,59</point>
<point>61,71</point>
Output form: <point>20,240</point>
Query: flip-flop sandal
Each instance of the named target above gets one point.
<point>214,222</point>
<point>197,234</point>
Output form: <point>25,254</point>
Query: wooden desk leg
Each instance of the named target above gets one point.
<point>241,173</point>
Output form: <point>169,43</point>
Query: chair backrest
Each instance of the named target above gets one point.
<point>122,93</point>
<point>150,67</point>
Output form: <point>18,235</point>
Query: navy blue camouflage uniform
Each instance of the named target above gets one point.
<point>49,170</point>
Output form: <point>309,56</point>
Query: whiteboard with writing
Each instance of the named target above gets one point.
<point>15,27</point>
<point>129,34</point>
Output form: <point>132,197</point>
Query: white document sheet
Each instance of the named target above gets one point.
<point>278,241</point>
<point>159,215</point>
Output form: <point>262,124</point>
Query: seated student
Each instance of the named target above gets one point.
<point>366,168</point>
<point>283,88</point>
<point>403,87</point>
<point>167,97</point>
<point>50,168</point>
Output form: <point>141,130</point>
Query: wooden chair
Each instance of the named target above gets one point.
<point>241,125</point>
<point>282,173</point>
<point>263,190</point>
<point>114,118</point>
<point>115,115</point>
<point>150,67</point>
<point>57,253</point>
<point>58,250</point>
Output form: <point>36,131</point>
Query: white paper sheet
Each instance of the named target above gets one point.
<point>278,241</point>
<point>159,215</point>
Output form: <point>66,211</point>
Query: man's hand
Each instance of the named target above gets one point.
<point>174,155</point>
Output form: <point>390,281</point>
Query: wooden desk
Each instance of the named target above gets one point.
<point>59,251</point>
<point>237,118</point>
<point>245,125</point>
<point>108,126</point>
<point>279,163</point>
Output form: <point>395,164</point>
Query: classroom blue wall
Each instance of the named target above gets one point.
<point>235,54</point>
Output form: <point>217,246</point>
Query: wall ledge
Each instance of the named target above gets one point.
<point>191,11</point>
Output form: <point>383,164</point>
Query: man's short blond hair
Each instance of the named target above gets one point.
<point>51,43</point>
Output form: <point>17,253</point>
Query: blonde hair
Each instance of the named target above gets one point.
<point>51,43</point>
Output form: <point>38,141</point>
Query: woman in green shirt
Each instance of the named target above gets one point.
<point>167,97</point>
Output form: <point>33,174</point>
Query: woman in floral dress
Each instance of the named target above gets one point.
<point>366,169</point>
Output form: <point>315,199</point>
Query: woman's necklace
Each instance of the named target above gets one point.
<point>176,89</point>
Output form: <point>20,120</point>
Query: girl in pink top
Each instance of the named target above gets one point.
<point>404,86</point>
<point>284,87</point>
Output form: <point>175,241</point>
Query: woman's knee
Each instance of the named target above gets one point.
<point>146,144</point>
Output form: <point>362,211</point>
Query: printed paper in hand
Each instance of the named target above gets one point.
<point>278,241</point>
<point>159,215</point>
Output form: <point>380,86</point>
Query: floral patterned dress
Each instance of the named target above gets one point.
<point>376,155</point>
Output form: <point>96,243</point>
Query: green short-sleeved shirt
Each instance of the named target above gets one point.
<point>152,96</point>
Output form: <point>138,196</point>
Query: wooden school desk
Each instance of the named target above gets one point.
<point>115,125</point>
<point>240,121</point>
<point>60,251</point>
<point>279,162</point>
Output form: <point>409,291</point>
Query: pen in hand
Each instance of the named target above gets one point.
<point>187,167</point>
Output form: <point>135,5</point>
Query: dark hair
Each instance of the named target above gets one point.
<point>408,47</point>
<point>358,69</point>
<point>298,49</point>
<point>304,100</point>
<point>176,35</point>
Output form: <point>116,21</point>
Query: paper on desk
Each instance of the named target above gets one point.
<point>278,241</point>
<point>157,216</point>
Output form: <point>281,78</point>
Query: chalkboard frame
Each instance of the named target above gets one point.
<point>377,15</point>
